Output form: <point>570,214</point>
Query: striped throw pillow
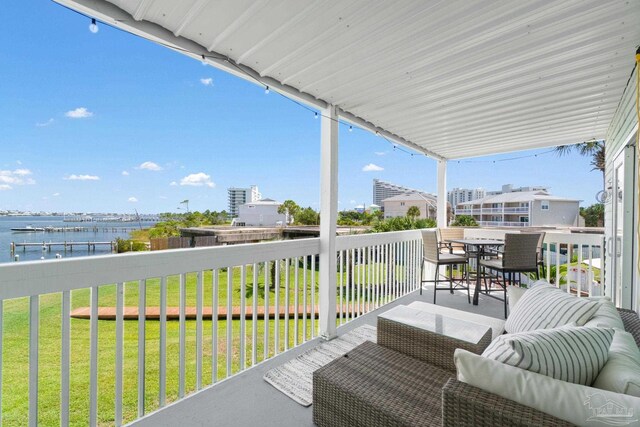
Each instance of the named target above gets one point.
<point>547,307</point>
<point>571,354</point>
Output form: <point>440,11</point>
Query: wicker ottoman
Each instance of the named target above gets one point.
<point>375,386</point>
<point>430,337</point>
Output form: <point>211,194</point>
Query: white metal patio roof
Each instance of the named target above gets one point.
<point>452,79</point>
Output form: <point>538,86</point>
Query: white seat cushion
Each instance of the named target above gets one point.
<point>573,354</point>
<point>621,373</point>
<point>546,307</point>
<point>574,403</point>
<point>496,325</point>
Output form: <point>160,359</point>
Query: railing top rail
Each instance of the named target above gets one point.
<point>22,279</point>
<point>364,240</point>
<point>551,236</point>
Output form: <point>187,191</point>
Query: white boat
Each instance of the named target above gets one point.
<point>27,229</point>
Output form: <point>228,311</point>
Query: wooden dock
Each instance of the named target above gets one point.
<point>173,313</point>
<point>66,246</point>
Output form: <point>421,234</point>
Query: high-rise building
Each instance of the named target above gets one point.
<point>240,196</point>
<point>384,190</point>
<point>461,195</point>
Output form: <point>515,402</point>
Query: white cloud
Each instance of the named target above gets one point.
<point>74,177</point>
<point>132,199</point>
<point>15,177</point>
<point>43,124</point>
<point>173,183</point>
<point>55,194</point>
<point>18,162</point>
<point>380,153</point>
<point>198,180</point>
<point>5,187</point>
<point>207,82</point>
<point>150,166</point>
<point>372,168</point>
<point>353,202</point>
<point>125,173</point>
<point>162,197</point>
<point>79,113</point>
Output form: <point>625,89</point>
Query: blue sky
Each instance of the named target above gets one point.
<point>109,122</point>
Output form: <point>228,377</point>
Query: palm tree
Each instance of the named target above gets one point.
<point>593,148</point>
<point>413,212</point>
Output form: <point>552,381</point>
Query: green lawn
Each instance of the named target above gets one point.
<point>16,348</point>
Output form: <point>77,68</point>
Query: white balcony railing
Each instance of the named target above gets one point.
<point>205,314</point>
<point>503,224</point>
<point>490,211</point>
<point>181,320</point>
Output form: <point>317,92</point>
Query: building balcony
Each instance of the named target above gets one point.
<point>199,349</point>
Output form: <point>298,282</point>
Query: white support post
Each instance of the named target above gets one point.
<point>328,218</point>
<point>442,194</point>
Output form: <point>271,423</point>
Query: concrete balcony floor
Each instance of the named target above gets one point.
<point>247,400</point>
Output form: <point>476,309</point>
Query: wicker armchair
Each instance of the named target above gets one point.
<point>376,386</point>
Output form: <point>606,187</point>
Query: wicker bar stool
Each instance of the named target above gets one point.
<point>433,255</point>
<point>519,255</point>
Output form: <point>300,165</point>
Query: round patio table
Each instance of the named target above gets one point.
<point>481,245</point>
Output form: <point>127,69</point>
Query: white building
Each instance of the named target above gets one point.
<point>384,190</point>
<point>522,209</point>
<point>461,195</point>
<point>399,205</point>
<point>508,188</point>
<point>260,213</point>
<point>240,196</point>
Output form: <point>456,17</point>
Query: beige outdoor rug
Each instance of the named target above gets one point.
<point>295,378</point>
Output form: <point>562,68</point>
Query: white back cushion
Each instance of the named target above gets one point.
<point>546,307</point>
<point>573,354</point>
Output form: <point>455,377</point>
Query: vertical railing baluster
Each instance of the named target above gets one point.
<point>385,275</point>
<point>243,314</point>
<point>119,352</point>
<point>162,365</point>
<point>265,318</point>
<point>254,317</point>
<point>312,290</point>
<point>580,270</point>
<point>377,275</point>
<point>557,265</point>
<point>341,284</point>
<point>93,363</point>
<point>276,318</point>
<point>287,270</point>
<point>357,279</point>
<point>229,321</point>
<point>182,333</point>
<point>304,298</point>
<point>590,255</point>
<point>296,301</point>
<point>215,283</point>
<point>65,357</point>
<point>142,306</point>
<point>548,266</point>
<point>369,267</point>
<point>199,304</point>
<point>348,292</point>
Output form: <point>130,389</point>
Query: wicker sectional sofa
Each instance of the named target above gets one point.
<point>376,386</point>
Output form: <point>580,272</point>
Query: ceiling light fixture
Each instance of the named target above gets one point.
<point>93,27</point>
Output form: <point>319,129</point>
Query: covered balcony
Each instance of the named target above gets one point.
<point>191,332</point>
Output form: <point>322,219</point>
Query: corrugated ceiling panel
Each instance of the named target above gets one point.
<point>459,78</point>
